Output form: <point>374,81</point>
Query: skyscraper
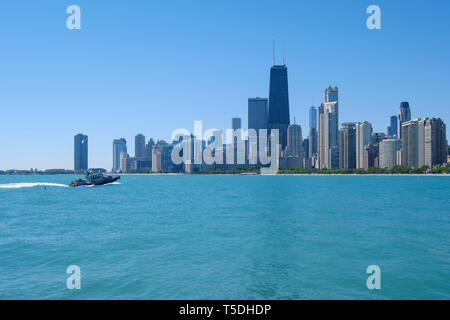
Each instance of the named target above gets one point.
<point>80,152</point>
<point>124,164</point>
<point>312,137</point>
<point>139,146</point>
<point>306,149</point>
<point>404,114</point>
<point>119,146</point>
<point>377,137</point>
<point>278,117</point>
<point>294,141</point>
<point>392,130</point>
<point>332,111</point>
<point>236,124</point>
<point>257,113</point>
<point>363,136</point>
<point>435,142</point>
<point>328,133</point>
<point>313,117</point>
<point>149,149</point>
<point>388,152</point>
<point>413,143</point>
<point>312,134</point>
<point>331,94</point>
<point>322,137</point>
<point>157,160</point>
<point>371,156</point>
<point>347,146</point>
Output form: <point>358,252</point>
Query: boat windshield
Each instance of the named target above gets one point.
<point>94,177</point>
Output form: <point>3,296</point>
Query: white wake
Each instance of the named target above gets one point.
<point>112,183</point>
<point>31,185</point>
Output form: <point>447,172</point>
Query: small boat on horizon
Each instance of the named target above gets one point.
<point>94,179</point>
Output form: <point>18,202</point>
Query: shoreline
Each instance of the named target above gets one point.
<point>239,174</point>
<point>285,174</point>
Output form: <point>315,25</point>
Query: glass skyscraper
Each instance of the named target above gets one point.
<point>313,117</point>
<point>139,146</point>
<point>119,146</point>
<point>257,113</point>
<point>312,135</point>
<point>80,152</point>
<point>404,115</point>
<point>279,102</point>
<point>392,129</point>
<point>331,94</point>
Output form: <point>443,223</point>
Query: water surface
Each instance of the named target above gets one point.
<point>226,237</point>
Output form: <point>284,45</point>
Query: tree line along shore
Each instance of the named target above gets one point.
<point>403,170</point>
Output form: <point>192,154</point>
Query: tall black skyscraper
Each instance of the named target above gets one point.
<point>81,152</point>
<point>347,146</point>
<point>279,102</point>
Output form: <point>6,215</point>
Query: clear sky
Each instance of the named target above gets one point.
<point>153,66</point>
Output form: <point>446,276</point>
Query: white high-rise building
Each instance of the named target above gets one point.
<point>328,130</point>
<point>123,161</point>
<point>388,152</point>
<point>156,160</point>
<point>413,143</point>
<point>363,135</point>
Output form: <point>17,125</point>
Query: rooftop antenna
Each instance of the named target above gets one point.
<point>283,56</point>
<point>273,51</point>
<point>294,120</point>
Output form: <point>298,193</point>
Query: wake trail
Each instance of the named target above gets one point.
<point>31,185</point>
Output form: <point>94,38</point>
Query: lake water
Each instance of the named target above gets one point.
<point>226,237</point>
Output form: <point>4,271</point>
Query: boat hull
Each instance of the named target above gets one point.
<point>82,183</point>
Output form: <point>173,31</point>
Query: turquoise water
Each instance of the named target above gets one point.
<point>226,237</point>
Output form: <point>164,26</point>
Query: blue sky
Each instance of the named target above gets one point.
<point>150,67</point>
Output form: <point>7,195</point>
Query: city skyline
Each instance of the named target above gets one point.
<point>353,146</point>
<point>334,153</point>
<point>374,70</point>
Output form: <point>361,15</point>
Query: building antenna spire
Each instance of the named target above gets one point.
<point>273,51</point>
<point>283,56</point>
